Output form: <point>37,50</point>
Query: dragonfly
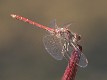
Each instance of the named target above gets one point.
<point>60,41</point>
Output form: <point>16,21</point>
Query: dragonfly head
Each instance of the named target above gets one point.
<point>77,37</point>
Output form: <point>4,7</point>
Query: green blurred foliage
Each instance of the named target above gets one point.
<point>22,54</point>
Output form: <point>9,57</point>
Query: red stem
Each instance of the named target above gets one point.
<point>71,69</point>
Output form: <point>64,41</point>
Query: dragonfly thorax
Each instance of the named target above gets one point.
<point>62,33</point>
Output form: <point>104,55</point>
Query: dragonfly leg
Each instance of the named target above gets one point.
<point>65,52</point>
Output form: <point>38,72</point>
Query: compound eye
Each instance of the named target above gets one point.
<point>79,37</point>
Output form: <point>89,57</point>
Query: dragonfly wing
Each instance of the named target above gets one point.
<point>67,25</point>
<point>83,62</point>
<point>53,46</point>
<point>53,24</point>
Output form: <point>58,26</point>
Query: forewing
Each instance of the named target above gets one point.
<point>53,24</point>
<point>83,62</point>
<point>67,25</point>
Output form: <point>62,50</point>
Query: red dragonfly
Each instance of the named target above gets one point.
<point>60,41</point>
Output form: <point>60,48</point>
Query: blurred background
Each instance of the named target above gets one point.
<point>22,53</point>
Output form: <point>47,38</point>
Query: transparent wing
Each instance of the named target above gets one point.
<point>53,24</point>
<point>67,25</point>
<point>54,46</point>
<point>83,62</point>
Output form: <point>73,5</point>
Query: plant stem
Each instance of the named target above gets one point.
<point>72,67</point>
